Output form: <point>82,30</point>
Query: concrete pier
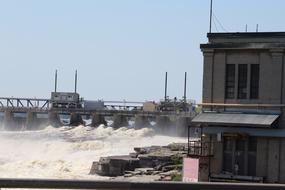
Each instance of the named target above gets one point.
<point>97,120</point>
<point>1,120</point>
<point>34,122</point>
<point>181,126</point>
<point>14,121</point>
<point>76,119</point>
<point>53,119</point>
<point>163,124</point>
<point>119,121</point>
<point>8,120</point>
<point>31,121</point>
<point>141,122</point>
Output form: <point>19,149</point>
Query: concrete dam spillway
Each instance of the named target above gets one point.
<point>17,121</point>
<point>68,152</point>
<point>60,137</point>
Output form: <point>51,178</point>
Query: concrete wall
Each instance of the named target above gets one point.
<point>270,82</point>
<point>271,76</point>
<point>208,76</point>
<point>219,68</point>
<point>267,50</point>
<point>216,162</point>
<point>271,159</point>
<point>262,155</point>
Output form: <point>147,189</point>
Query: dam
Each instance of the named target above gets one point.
<point>68,108</point>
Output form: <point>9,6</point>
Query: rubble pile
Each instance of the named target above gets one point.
<point>165,161</point>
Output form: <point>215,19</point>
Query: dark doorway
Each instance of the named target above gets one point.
<point>239,155</point>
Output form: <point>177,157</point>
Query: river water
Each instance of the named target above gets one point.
<point>68,153</point>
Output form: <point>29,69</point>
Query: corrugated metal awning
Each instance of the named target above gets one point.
<point>235,119</point>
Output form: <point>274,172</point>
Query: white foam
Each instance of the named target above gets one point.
<point>68,152</point>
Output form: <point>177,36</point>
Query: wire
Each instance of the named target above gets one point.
<point>215,25</point>
<point>221,26</point>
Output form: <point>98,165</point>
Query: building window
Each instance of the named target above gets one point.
<point>242,81</point>
<point>230,81</point>
<point>254,81</point>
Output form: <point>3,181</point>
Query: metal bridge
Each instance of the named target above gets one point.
<point>41,105</point>
<point>38,104</point>
<point>24,103</point>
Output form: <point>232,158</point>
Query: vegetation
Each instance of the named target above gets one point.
<point>176,177</point>
<point>198,109</point>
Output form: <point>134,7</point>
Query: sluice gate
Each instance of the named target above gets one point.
<point>33,114</point>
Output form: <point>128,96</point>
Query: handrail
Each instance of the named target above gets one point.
<point>124,185</point>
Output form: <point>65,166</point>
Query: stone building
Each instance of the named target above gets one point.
<point>243,121</point>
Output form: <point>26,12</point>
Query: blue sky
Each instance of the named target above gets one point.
<point>121,49</point>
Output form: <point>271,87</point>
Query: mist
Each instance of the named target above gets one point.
<point>68,152</point>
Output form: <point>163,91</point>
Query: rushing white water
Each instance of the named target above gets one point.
<point>68,152</point>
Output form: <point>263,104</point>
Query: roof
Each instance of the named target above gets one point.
<point>235,119</point>
<point>246,34</point>
<point>242,45</point>
<point>245,40</point>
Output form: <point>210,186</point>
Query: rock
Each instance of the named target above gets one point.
<point>128,175</point>
<point>134,172</point>
<point>114,165</point>
<point>144,161</point>
<point>94,168</point>
<point>160,166</point>
<point>156,172</point>
<point>133,155</point>
<point>169,173</point>
<point>140,150</point>
<point>146,150</point>
<point>166,178</point>
<point>169,168</point>
<point>178,147</point>
<point>145,171</point>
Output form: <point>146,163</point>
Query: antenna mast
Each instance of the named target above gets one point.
<point>165,87</point>
<point>211,13</point>
<point>55,81</point>
<point>75,85</point>
<point>185,83</point>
